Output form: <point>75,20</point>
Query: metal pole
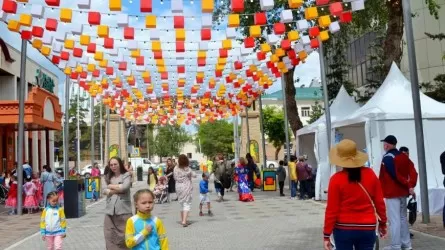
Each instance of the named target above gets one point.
<point>417,111</point>
<point>148,142</point>
<point>325,93</point>
<point>66,129</point>
<point>78,127</point>
<point>108,133</point>
<point>235,139</point>
<point>21,132</point>
<point>248,131</point>
<point>119,134</point>
<point>263,139</point>
<point>92,131</point>
<point>286,124</point>
<point>101,141</point>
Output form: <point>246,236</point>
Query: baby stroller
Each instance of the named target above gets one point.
<point>161,191</point>
<point>3,194</point>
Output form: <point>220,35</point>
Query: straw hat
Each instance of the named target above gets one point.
<point>346,155</point>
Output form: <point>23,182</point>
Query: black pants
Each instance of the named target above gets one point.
<point>281,185</point>
<point>303,188</point>
<point>219,188</point>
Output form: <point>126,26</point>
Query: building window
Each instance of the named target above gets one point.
<point>189,155</point>
<point>305,112</point>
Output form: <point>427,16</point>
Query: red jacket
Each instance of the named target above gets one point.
<point>349,206</point>
<point>397,174</point>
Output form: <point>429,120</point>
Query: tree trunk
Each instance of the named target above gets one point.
<point>277,152</point>
<point>292,110</point>
<point>392,45</point>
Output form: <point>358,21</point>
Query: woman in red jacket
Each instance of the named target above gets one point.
<point>355,205</point>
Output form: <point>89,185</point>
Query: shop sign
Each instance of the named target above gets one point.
<point>44,81</point>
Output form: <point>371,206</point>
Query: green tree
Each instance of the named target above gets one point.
<point>169,140</point>
<point>335,52</point>
<point>317,112</point>
<point>215,137</point>
<point>274,128</point>
<point>273,16</point>
<point>436,90</point>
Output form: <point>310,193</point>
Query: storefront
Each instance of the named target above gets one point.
<point>43,113</point>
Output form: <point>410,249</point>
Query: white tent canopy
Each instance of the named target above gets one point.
<point>312,140</point>
<point>390,111</point>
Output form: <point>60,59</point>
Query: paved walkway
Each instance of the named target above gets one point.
<point>271,222</point>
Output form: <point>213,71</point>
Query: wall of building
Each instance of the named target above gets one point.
<point>428,52</point>
<point>190,148</point>
<point>301,104</point>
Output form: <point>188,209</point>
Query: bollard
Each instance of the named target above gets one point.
<point>139,173</point>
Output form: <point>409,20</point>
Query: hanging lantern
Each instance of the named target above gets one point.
<point>51,24</point>
<point>10,6</point>
<point>178,22</point>
<point>146,5</point>
<point>237,5</point>
<point>94,18</point>
<point>260,18</point>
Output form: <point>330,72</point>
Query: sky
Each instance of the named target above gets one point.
<point>306,72</point>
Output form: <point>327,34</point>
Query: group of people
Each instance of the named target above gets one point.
<point>302,177</point>
<point>360,203</point>
<point>35,188</point>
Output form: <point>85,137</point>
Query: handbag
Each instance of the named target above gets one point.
<point>372,203</point>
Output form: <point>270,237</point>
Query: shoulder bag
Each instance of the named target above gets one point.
<point>372,202</point>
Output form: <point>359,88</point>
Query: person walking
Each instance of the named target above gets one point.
<point>397,182</point>
<point>183,176</point>
<point>116,187</point>
<point>304,173</point>
<point>251,166</point>
<point>49,182</point>
<point>242,172</point>
<point>355,205</point>
<point>293,177</point>
<point>219,170</point>
<point>171,180</point>
<point>281,173</point>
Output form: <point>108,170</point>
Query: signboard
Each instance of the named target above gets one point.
<point>269,180</point>
<point>92,184</point>
<point>136,152</point>
<point>255,150</point>
<point>44,81</point>
<point>113,150</point>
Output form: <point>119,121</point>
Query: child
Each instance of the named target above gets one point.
<point>204,194</point>
<point>93,190</point>
<point>152,179</point>
<point>162,185</point>
<point>39,187</point>
<point>281,172</point>
<point>53,223</point>
<point>144,231</point>
<point>59,188</point>
<point>11,201</point>
<point>30,191</point>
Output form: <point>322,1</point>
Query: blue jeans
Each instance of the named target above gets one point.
<point>354,239</point>
<point>293,189</point>
<point>443,216</point>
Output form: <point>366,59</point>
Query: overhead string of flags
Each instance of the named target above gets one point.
<point>150,72</point>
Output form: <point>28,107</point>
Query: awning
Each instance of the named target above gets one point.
<point>42,111</point>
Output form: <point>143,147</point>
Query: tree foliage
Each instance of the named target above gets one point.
<point>317,112</point>
<point>274,128</point>
<point>335,52</point>
<point>215,137</point>
<point>169,140</point>
<point>273,16</point>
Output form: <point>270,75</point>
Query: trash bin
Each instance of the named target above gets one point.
<point>139,173</point>
<point>92,184</point>
<point>269,179</point>
<point>74,199</point>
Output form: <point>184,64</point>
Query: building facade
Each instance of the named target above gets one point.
<point>429,52</point>
<point>43,113</point>
<point>306,98</point>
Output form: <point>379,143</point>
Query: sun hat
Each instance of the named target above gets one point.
<point>346,155</point>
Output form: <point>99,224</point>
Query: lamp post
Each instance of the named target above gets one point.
<point>263,140</point>
<point>325,93</point>
<point>417,111</point>
<point>247,131</point>
<point>92,131</point>
<point>21,132</point>
<point>286,124</point>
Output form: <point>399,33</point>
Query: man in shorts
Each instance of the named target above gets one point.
<point>204,194</point>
